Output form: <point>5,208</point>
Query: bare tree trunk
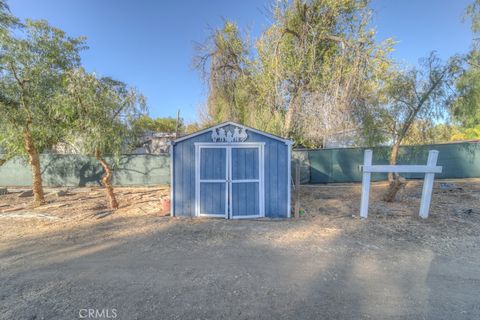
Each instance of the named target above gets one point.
<point>393,159</point>
<point>34,160</point>
<point>292,110</point>
<point>106,180</point>
<point>396,181</point>
<point>395,186</point>
<point>177,124</point>
<point>289,120</point>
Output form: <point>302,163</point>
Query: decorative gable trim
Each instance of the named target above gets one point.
<point>241,129</point>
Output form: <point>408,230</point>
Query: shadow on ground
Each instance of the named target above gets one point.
<point>164,268</point>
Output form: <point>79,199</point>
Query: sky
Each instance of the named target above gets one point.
<point>150,44</point>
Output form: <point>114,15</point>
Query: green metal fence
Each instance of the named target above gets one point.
<point>459,160</point>
<point>79,170</point>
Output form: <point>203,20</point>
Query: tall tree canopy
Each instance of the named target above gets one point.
<point>7,20</point>
<point>466,108</point>
<point>416,96</point>
<point>224,64</point>
<point>33,66</point>
<point>167,124</point>
<point>309,69</point>
<point>102,112</point>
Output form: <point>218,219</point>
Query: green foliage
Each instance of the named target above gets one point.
<point>418,97</point>
<point>305,74</point>
<point>473,14</point>
<point>192,127</point>
<point>223,62</point>
<point>33,68</point>
<point>102,111</point>
<point>466,109</point>
<point>7,20</point>
<point>425,132</point>
<point>167,124</point>
<point>461,134</point>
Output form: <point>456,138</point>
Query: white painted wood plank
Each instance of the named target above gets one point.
<point>403,168</point>
<point>367,161</point>
<point>289,181</point>
<point>428,185</point>
<point>172,200</point>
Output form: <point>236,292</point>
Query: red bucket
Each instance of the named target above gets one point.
<point>165,205</point>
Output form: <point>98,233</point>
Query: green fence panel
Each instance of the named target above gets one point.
<point>79,170</point>
<point>459,160</point>
<point>320,166</point>
<point>302,159</point>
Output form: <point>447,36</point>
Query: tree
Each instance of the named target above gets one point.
<point>167,124</point>
<point>223,63</point>
<point>7,20</point>
<point>102,112</point>
<point>460,134</point>
<point>308,70</point>
<point>32,71</point>
<point>326,56</point>
<point>7,23</point>
<point>192,127</point>
<point>419,94</point>
<point>426,131</point>
<point>466,109</point>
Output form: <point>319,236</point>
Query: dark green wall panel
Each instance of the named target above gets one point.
<point>78,170</point>
<point>459,160</point>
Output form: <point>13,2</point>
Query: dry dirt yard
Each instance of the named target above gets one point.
<point>71,255</point>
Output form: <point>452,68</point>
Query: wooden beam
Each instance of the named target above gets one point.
<point>428,185</point>
<point>367,162</point>
<point>402,168</point>
<point>297,189</point>
<point>429,169</point>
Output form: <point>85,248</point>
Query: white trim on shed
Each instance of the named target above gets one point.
<point>223,124</point>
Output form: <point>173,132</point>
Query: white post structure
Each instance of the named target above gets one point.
<point>430,169</point>
<point>428,184</point>
<point>367,161</point>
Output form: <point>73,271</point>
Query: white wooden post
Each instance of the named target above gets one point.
<point>428,184</point>
<point>367,161</point>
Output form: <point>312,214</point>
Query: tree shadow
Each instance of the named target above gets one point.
<point>80,171</point>
<point>459,160</point>
<point>199,268</point>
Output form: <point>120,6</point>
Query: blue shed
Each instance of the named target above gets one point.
<point>231,171</point>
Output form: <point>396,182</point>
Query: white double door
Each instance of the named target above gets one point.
<point>229,180</point>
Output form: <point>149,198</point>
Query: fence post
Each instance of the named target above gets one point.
<point>428,184</point>
<point>297,189</point>
<point>367,161</point>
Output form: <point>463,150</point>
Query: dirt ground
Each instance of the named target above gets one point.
<point>72,256</point>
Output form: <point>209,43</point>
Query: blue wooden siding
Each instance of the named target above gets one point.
<point>213,164</point>
<point>275,174</point>
<point>245,195</point>
<point>212,195</point>
<point>245,199</point>
<point>245,163</point>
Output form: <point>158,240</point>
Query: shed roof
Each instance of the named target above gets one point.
<point>272,136</point>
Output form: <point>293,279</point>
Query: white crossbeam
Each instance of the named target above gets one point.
<point>430,169</point>
<point>403,168</point>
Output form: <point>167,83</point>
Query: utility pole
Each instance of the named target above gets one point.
<point>178,124</point>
